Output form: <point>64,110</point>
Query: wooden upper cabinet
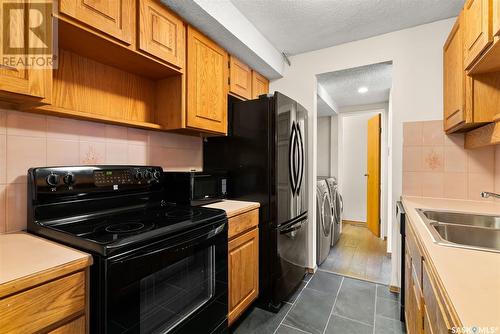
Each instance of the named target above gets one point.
<point>477,32</point>
<point>115,18</point>
<point>207,73</point>
<point>260,85</point>
<point>240,78</point>
<point>161,33</point>
<point>21,83</point>
<point>453,78</point>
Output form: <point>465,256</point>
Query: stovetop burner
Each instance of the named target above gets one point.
<point>112,228</point>
<point>124,227</point>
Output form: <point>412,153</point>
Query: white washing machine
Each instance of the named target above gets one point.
<point>324,218</point>
<point>337,207</point>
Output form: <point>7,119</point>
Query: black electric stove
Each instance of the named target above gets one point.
<point>158,267</point>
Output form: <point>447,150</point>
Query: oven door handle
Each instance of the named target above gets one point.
<point>191,242</point>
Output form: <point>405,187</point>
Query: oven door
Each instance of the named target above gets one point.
<point>177,285</point>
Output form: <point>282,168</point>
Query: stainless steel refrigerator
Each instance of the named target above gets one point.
<point>265,156</point>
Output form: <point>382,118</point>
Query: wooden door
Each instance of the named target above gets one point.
<point>240,78</point>
<point>243,268</point>
<point>161,33</point>
<point>373,175</point>
<point>27,82</point>
<point>115,18</point>
<point>477,34</point>
<point>207,88</point>
<point>453,78</point>
<point>260,85</point>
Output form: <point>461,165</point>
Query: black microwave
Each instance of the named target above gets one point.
<point>195,188</point>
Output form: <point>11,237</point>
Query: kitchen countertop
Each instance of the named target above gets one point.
<point>234,208</point>
<point>27,260</point>
<point>471,278</point>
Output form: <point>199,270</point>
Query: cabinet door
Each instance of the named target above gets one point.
<point>243,266</point>
<point>36,83</point>
<point>477,34</point>
<point>453,78</point>
<point>409,298</point>
<point>260,85</point>
<point>77,326</point>
<point>418,304</point>
<point>240,78</point>
<point>438,321</point>
<point>161,33</point>
<point>206,84</point>
<point>114,18</point>
<point>496,18</point>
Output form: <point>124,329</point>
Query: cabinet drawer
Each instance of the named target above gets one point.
<point>438,320</point>
<point>35,309</point>
<point>244,222</point>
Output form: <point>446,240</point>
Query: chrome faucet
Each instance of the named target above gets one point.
<point>486,194</point>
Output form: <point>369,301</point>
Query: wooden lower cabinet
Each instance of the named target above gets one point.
<point>425,308</point>
<point>243,263</point>
<point>438,321</point>
<point>58,306</point>
<point>75,326</point>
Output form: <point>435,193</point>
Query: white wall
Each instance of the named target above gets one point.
<point>324,146</point>
<point>354,164</point>
<point>334,149</point>
<point>416,95</point>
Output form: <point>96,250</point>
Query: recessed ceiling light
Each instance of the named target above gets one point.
<point>362,90</point>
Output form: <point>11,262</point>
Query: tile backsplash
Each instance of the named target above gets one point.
<point>438,165</point>
<point>30,140</point>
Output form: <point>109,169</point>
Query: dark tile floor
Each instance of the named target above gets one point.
<point>326,303</point>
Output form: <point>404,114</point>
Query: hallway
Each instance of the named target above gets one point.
<point>329,304</point>
<point>359,254</point>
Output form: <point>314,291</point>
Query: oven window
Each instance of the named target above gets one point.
<point>159,301</point>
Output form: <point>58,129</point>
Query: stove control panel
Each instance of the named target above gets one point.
<point>83,179</point>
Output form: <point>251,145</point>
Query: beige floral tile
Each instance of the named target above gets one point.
<point>433,158</point>
<point>92,153</point>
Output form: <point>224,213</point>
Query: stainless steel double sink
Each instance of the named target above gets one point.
<point>463,230</point>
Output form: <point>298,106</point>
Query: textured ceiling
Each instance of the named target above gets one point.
<point>343,85</point>
<point>296,26</point>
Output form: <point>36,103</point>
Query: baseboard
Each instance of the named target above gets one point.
<point>394,289</point>
<point>353,222</point>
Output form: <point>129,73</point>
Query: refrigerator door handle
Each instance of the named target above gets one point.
<point>301,158</point>
<point>291,159</point>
